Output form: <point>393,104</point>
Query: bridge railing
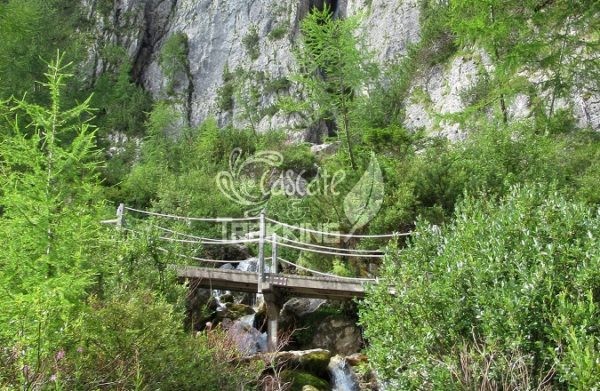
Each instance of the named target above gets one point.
<point>274,241</point>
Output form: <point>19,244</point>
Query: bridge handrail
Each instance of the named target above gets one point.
<point>209,241</point>
<point>185,235</point>
<point>348,250</point>
<point>220,261</point>
<point>204,219</point>
<point>326,252</point>
<point>290,226</point>
<point>202,240</point>
<point>332,276</point>
<point>335,234</point>
<point>212,241</point>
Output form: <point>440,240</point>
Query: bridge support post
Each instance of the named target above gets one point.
<point>261,251</point>
<point>120,215</point>
<point>274,269</point>
<point>273,308</point>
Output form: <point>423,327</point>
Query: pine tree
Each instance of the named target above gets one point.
<point>49,222</point>
<point>332,69</point>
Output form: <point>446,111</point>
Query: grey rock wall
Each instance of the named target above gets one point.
<point>254,40</point>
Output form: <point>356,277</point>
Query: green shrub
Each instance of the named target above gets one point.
<point>173,59</point>
<point>509,282</point>
<point>135,341</point>
<point>225,93</point>
<point>251,42</point>
<point>279,32</point>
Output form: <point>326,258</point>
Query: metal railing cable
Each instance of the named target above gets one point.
<point>200,238</point>
<point>333,276</point>
<point>335,234</point>
<point>345,250</point>
<point>325,252</point>
<point>164,250</point>
<point>209,242</point>
<point>290,226</point>
<point>181,237</point>
<point>186,218</point>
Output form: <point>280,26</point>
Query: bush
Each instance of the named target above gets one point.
<point>135,341</point>
<point>509,282</point>
<point>173,59</point>
<point>251,43</point>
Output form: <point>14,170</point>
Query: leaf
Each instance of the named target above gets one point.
<point>365,199</point>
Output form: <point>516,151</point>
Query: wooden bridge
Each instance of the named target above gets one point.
<point>274,286</point>
<point>288,284</point>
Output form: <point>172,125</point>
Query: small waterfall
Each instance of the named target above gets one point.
<point>217,295</point>
<point>342,375</point>
<point>248,319</point>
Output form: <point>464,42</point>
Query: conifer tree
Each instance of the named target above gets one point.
<point>49,221</point>
<point>332,69</point>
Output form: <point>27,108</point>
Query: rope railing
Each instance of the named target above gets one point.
<point>208,242</point>
<point>211,242</point>
<point>335,234</point>
<point>200,238</point>
<point>333,276</point>
<point>276,258</point>
<point>174,236</point>
<point>348,250</point>
<point>257,219</point>
<point>218,261</point>
<point>187,218</point>
<point>317,251</point>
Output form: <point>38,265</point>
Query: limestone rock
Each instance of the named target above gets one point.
<point>325,149</point>
<point>248,340</point>
<point>300,307</point>
<point>338,335</point>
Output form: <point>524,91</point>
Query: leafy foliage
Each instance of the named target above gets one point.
<point>332,68</point>
<point>51,208</point>
<point>251,42</point>
<point>173,59</point>
<point>29,33</point>
<point>516,276</point>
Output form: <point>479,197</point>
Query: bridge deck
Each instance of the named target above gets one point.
<point>299,286</point>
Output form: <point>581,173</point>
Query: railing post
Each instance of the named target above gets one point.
<point>120,215</point>
<point>274,254</point>
<point>261,251</point>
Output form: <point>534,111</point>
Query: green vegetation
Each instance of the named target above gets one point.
<point>173,59</point>
<point>497,289</point>
<point>332,69</point>
<point>279,32</point>
<point>511,282</point>
<point>83,309</point>
<point>29,34</point>
<point>251,42</point>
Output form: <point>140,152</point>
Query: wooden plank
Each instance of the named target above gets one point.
<point>301,286</point>
<point>211,278</point>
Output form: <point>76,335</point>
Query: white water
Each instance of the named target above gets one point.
<point>342,376</point>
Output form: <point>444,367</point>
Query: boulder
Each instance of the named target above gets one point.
<point>234,311</point>
<point>299,307</point>
<point>325,149</point>
<point>299,380</point>
<point>247,339</point>
<point>357,359</point>
<point>339,335</point>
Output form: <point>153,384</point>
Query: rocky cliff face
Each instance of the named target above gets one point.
<point>238,53</point>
